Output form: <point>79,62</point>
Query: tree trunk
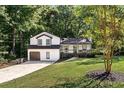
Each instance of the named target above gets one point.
<point>14,41</point>
<point>108,54</point>
<point>21,45</point>
<point>108,67</point>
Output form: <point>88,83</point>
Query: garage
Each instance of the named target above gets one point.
<point>35,56</point>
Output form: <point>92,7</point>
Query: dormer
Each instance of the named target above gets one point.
<point>44,39</point>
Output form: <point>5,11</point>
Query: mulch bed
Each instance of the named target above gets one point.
<point>101,75</point>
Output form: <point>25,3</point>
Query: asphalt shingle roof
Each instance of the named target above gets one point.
<point>75,41</point>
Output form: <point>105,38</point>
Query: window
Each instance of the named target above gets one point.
<point>47,55</point>
<point>48,42</point>
<point>80,48</point>
<point>40,42</point>
<point>84,47</point>
<point>75,49</point>
<point>66,48</point>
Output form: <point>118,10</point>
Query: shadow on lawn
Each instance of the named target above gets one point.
<point>90,63</point>
<point>97,61</point>
<point>83,82</point>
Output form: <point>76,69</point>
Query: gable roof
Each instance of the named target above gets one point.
<point>44,33</point>
<point>75,41</point>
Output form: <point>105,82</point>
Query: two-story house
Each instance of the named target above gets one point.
<point>48,47</point>
<point>44,47</point>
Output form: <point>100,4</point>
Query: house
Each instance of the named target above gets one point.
<point>75,46</point>
<point>48,47</point>
<point>44,47</point>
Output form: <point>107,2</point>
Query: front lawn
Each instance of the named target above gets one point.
<point>68,74</point>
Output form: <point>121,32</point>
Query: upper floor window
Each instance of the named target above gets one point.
<point>40,42</point>
<point>48,42</point>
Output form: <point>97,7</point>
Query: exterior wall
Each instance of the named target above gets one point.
<point>80,47</point>
<point>54,54</point>
<point>55,40</point>
<point>33,41</point>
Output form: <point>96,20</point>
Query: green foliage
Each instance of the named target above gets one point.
<point>10,57</point>
<point>18,23</point>
<point>3,60</point>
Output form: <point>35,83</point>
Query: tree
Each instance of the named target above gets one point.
<point>110,30</point>
<point>18,19</point>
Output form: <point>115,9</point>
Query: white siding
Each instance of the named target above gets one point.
<point>33,41</point>
<point>54,54</point>
<point>55,39</point>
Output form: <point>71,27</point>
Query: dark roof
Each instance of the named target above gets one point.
<point>75,41</point>
<point>43,47</point>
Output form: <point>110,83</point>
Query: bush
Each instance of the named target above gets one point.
<point>88,54</point>
<point>3,60</point>
<point>122,53</point>
<point>97,51</point>
<point>66,55</point>
<point>10,57</point>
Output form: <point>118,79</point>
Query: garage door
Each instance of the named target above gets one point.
<point>35,56</point>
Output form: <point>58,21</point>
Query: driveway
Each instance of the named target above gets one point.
<point>20,70</point>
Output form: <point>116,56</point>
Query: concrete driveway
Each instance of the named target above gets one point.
<point>20,70</point>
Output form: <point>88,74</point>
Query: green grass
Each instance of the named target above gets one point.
<point>68,74</point>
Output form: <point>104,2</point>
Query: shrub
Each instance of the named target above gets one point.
<point>10,57</point>
<point>2,60</point>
